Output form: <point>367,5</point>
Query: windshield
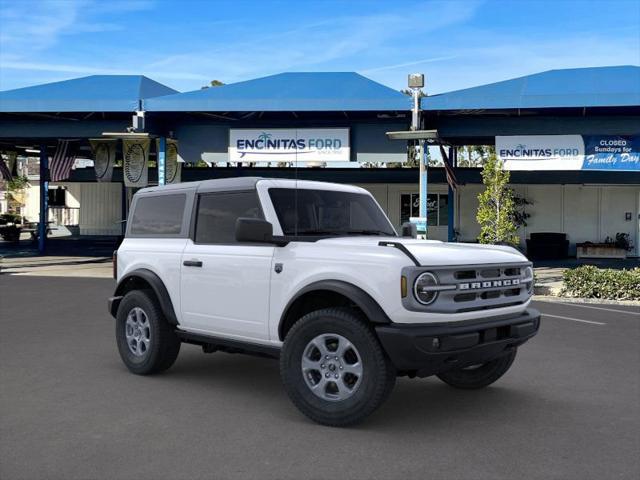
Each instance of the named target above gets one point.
<point>328,212</point>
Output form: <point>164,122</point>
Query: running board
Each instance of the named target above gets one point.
<point>212,344</point>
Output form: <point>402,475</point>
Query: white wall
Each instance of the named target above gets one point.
<point>580,214</point>
<point>584,212</point>
<point>614,203</point>
<point>466,208</point>
<point>100,208</point>
<point>73,194</point>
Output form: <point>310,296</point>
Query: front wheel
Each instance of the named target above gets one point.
<point>333,367</point>
<point>479,376</point>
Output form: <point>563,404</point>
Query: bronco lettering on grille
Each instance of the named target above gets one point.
<point>493,283</point>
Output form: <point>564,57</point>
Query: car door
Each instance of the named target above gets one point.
<point>225,284</point>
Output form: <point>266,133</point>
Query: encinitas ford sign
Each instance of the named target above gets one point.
<point>289,145</point>
<point>541,152</point>
<point>569,152</point>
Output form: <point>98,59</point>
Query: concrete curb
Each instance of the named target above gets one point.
<point>597,301</point>
<point>50,262</point>
<point>547,290</point>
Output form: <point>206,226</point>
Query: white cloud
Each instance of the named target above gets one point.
<point>501,57</point>
<point>31,27</point>
<point>348,40</point>
<point>408,64</point>
<point>89,70</point>
<point>436,37</point>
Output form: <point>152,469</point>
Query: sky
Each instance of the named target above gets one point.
<point>185,44</point>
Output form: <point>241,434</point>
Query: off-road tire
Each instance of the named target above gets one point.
<point>378,377</point>
<point>164,343</point>
<point>480,377</point>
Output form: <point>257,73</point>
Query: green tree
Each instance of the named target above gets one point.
<point>213,83</point>
<point>474,155</point>
<point>15,193</point>
<point>496,209</point>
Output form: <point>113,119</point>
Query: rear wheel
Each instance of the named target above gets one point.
<point>333,367</point>
<point>479,376</point>
<point>146,341</point>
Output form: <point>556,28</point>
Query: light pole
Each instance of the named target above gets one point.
<point>416,83</point>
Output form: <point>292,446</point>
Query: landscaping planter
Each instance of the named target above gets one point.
<point>10,233</point>
<point>599,250</point>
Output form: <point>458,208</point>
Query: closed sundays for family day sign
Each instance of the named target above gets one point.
<point>289,145</point>
<point>569,152</point>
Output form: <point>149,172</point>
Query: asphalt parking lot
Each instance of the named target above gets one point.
<point>568,409</point>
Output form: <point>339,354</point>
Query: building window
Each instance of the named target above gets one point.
<point>57,197</point>
<point>437,208</point>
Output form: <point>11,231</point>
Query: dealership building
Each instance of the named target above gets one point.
<point>571,139</point>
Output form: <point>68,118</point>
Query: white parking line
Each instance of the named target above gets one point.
<point>573,319</point>
<point>601,308</point>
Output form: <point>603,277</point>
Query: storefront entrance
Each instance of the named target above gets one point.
<point>437,208</point>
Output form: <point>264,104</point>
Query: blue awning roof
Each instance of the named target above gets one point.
<point>289,92</point>
<point>577,87</point>
<point>96,93</point>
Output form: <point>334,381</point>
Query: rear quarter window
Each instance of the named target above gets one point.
<point>159,215</point>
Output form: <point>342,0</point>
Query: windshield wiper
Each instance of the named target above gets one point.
<point>369,232</point>
<point>312,231</point>
<point>342,232</point>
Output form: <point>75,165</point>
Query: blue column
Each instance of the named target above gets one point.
<point>44,199</point>
<point>162,160</point>
<point>453,153</point>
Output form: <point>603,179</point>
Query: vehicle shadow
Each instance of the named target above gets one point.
<point>413,405</point>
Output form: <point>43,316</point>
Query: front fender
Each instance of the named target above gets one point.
<point>358,296</point>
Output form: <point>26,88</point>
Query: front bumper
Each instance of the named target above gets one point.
<point>429,349</point>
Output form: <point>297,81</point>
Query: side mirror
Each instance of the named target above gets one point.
<point>409,230</point>
<point>255,230</point>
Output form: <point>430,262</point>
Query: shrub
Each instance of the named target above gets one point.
<point>591,282</point>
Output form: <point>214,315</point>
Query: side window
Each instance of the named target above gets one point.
<point>158,215</point>
<point>218,212</point>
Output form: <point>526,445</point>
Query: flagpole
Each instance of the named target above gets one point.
<point>416,82</point>
<point>44,199</point>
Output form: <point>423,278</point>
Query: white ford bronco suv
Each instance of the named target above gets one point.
<point>314,274</point>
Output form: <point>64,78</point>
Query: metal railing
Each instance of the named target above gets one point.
<point>64,215</point>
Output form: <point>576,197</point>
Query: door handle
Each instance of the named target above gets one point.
<point>192,263</point>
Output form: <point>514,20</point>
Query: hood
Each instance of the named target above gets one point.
<point>436,253</point>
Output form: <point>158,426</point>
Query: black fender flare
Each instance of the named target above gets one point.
<point>372,310</point>
<point>158,287</point>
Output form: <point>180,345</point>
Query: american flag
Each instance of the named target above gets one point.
<point>448,169</point>
<point>4,170</point>
<point>62,161</point>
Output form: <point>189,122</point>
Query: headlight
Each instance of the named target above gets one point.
<point>528,275</point>
<point>425,288</point>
